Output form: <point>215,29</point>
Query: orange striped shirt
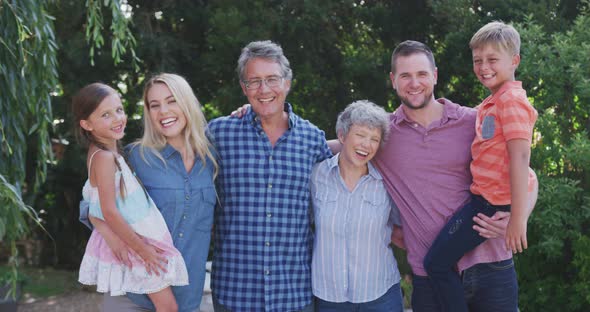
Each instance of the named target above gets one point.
<point>501,117</point>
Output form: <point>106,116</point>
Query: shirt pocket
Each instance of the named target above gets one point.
<point>488,127</point>
<point>377,206</point>
<point>204,213</point>
<point>325,201</point>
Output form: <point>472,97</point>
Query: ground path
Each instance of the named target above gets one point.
<point>80,301</point>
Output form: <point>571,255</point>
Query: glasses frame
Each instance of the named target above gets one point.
<point>260,81</point>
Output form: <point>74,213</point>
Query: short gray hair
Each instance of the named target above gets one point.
<point>266,50</point>
<point>363,113</point>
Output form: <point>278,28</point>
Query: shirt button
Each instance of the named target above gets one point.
<point>184,217</point>
<point>270,185</point>
<point>266,272</point>
<point>268,215</point>
<point>415,125</point>
<point>267,243</point>
<point>187,197</point>
<point>270,157</point>
<point>186,180</point>
<point>180,234</point>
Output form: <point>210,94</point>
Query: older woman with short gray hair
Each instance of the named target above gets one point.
<point>363,113</point>
<point>353,267</point>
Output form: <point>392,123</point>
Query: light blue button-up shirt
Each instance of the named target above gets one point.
<point>352,260</point>
<point>186,201</point>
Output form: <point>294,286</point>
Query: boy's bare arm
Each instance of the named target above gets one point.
<point>519,155</point>
<point>495,226</point>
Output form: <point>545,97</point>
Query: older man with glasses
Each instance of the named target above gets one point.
<point>263,238</point>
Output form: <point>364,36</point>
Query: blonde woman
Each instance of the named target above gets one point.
<point>174,160</point>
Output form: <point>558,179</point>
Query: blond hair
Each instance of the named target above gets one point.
<point>500,35</point>
<point>195,138</point>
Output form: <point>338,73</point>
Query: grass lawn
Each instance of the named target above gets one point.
<point>46,282</point>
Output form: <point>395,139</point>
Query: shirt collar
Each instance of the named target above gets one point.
<point>167,151</point>
<point>251,115</point>
<point>333,163</point>
<point>449,112</point>
<point>507,86</point>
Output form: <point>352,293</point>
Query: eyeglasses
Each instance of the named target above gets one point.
<point>271,82</point>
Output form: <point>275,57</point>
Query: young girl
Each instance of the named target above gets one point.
<point>118,198</point>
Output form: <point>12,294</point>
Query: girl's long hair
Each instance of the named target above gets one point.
<point>84,103</point>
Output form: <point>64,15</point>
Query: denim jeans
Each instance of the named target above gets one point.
<point>491,287</point>
<point>487,287</point>
<point>455,239</point>
<point>391,301</point>
<point>218,307</point>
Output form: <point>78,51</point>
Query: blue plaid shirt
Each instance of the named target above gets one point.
<point>263,238</point>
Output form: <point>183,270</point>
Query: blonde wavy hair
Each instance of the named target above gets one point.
<point>194,132</point>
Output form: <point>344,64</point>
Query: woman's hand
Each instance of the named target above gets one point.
<point>117,246</point>
<point>120,250</point>
<point>153,259</point>
<point>240,111</point>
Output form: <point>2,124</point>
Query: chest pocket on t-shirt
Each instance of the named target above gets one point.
<point>488,127</point>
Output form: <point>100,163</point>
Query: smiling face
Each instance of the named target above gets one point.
<point>107,122</point>
<point>359,145</point>
<point>414,80</point>
<point>268,103</point>
<point>493,66</point>
<point>165,113</point>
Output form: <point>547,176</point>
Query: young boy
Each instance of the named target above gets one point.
<point>502,178</point>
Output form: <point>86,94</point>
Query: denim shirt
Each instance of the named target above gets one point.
<point>186,201</point>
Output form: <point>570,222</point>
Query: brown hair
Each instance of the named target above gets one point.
<point>411,47</point>
<point>84,103</point>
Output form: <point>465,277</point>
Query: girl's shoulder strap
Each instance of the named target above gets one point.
<point>91,157</point>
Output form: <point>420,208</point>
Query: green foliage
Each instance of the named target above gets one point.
<point>556,74</point>
<point>12,212</point>
<point>28,75</point>
<point>44,282</point>
<point>559,236</point>
<point>120,34</point>
<point>340,52</point>
<point>28,80</point>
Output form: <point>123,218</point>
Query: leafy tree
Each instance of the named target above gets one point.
<point>555,69</point>
<point>28,80</point>
<point>28,76</point>
<point>340,52</point>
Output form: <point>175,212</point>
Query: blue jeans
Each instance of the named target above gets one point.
<point>218,307</point>
<point>391,301</point>
<point>487,287</point>
<point>491,287</point>
<point>455,239</point>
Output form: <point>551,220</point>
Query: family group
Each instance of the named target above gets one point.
<point>301,223</point>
